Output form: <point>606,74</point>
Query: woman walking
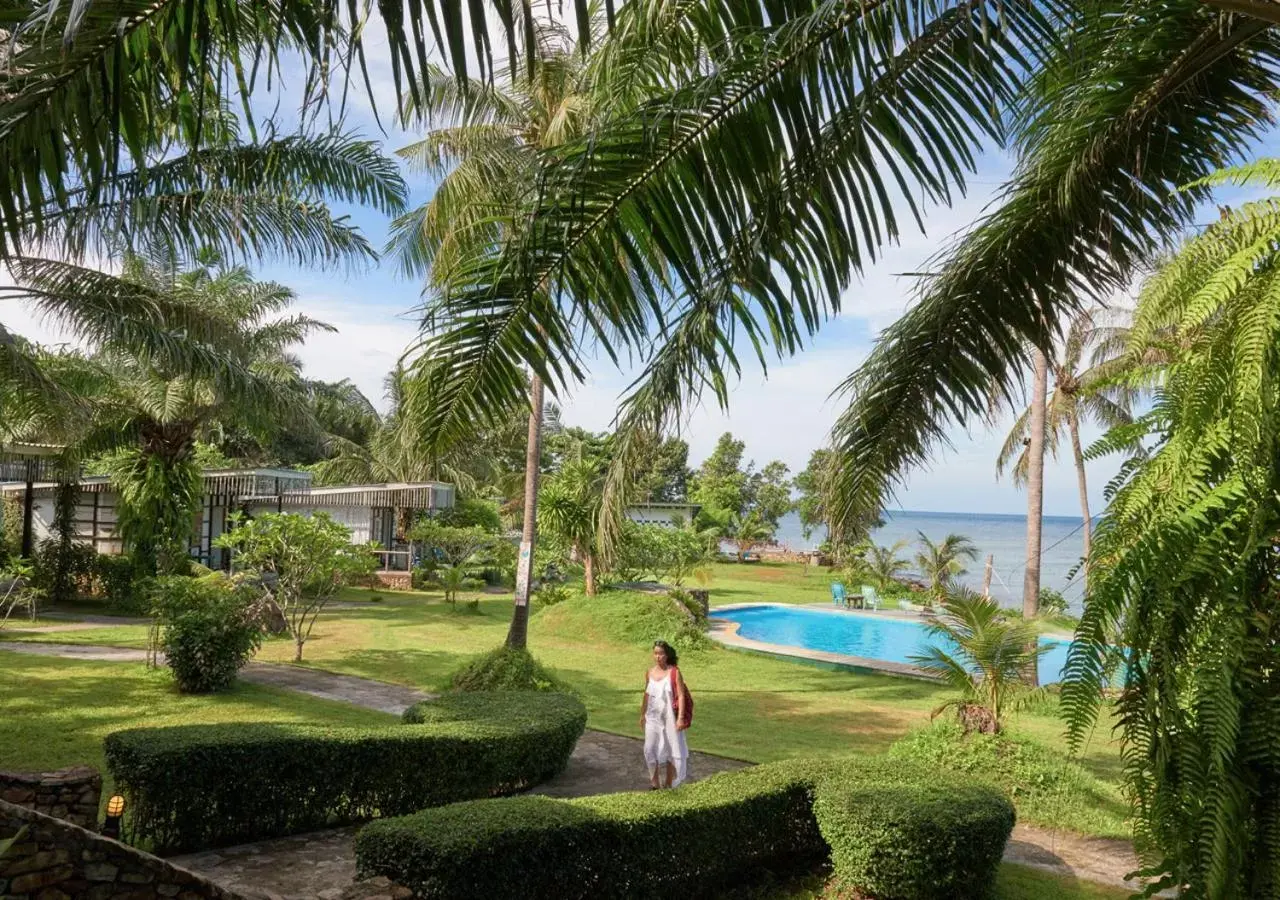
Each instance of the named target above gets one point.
<point>664,716</point>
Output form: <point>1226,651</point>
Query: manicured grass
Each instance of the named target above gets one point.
<point>1025,883</point>
<point>57,711</point>
<point>750,707</point>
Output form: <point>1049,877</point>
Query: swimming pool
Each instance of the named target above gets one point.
<point>855,634</point>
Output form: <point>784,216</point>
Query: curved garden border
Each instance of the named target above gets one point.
<point>895,832</point>
<point>200,786</point>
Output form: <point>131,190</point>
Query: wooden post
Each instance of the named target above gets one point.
<point>986,575</point>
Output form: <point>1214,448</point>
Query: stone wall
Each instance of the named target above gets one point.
<point>71,794</point>
<point>56,860</point>
<point>396,581</point>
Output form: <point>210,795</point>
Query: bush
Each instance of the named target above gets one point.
<point>915,842</point>
<point>1052,603</point>
<point>1048,788</point>
<point>695,840</point>
<point>549,593</point>
<point>505,669</point>
<point>209,632</point>
<point>64,571</point>
<point>121,584</point>
<point>199,786</point>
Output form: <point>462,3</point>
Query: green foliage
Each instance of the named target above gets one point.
<point>928,841</point>
<point>982,654</point>
<point>1188,585</point>
<point>569,509</point>
<point>506,669</point>
<point>19,594</point>
<point>202,786</point>
<point>940,562</point>
<point>549,593</point>
<point>10,526</point>
<point>121,583</point>
<point>158,502</point>
<point>453,580</point>
<point>629,618</point>
<point>472,512</point>
<point>883,566</point>
<point>717,833</point>
<point>811,485</point>
<point>1048,788</point>
<point>209,630</point>
<point>670,554</point>
<point>64,570</point>
<point>1052,604</point>
<point>311,558</point>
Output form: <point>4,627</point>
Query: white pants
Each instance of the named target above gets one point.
<point>664,743</point>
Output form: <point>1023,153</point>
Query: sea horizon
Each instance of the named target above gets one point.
<point>1002,535</point>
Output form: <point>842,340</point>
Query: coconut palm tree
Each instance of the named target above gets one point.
<point>981,654</point>
<point>883,565</point>
<point>570,503</point>
<point>484,149</point>
<point>1087,387</point>
<point>940,563</point>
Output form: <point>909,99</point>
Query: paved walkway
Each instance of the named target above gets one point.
<point>322,865</point>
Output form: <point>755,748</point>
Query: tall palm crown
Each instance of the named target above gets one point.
<point>1087,387</point>
<point>150,408</point>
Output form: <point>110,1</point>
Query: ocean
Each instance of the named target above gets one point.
<point>1001,535</point>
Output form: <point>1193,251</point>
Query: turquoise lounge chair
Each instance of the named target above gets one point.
<point>837,593</point>
<point>869,597</point>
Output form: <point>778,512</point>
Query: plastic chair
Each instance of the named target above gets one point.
<point>870,598</point>
<point>837,593</point>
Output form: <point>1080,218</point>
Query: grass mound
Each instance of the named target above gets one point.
<point>1048,788</point>
<point>625,617</point>
<point>505,669</point>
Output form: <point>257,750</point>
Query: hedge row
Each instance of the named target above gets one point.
<point>199,786</point>
<point>891,832</point>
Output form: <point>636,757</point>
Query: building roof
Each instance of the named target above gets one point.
<point>694,506</point>
<point>289,487</point>
<point>404,495</point>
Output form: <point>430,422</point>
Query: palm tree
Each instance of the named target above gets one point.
<point>1087,386</point>
<point>484,150</point>
<point>571,511</point>
<point>883,565</point>
<point>941,562</point>
<point>152,412</point>
<point>233,200</point>
<point>980,653</point>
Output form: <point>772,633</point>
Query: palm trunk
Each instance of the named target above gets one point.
<point>518,634</point>
<point>589,573</point>
<point>1073,425</point>
<point>1035,494</point>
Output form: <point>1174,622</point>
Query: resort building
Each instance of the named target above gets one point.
<point>670,514</point>
<point>370,511</point>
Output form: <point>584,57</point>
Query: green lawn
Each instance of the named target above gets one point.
<point>57,711</point>
<point>751,707</point>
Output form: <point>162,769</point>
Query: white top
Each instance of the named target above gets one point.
<point>659,691</point>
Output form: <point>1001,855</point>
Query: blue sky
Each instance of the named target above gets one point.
<point>784,416</point>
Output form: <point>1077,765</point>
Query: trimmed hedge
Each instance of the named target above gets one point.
<point>698,839</point>
<point>915,842</point>
<point>200,786</point>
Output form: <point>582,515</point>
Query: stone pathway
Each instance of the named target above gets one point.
<point>322,865</point>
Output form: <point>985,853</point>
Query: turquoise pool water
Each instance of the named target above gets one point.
<point>855,634</point>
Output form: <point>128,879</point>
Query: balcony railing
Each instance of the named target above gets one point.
<point>393,560</point>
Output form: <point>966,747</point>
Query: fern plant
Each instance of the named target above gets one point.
<point>1187,567</point>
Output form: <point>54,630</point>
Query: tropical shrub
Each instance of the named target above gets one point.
<point>983,655</point>
<point>18,593</point>
<point>64,570</point>
<point>697,840</point>
<point>505,669</point>
<point>1052,603</point>
<point>121,584</point>
<point>1048,788</point>
<point>926,841</point>
<point>208,630</point>
<point>199,786</point>
<point>549,593</point>
<point>310,557</point>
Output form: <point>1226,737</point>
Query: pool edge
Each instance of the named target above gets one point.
<point>725,633</point>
